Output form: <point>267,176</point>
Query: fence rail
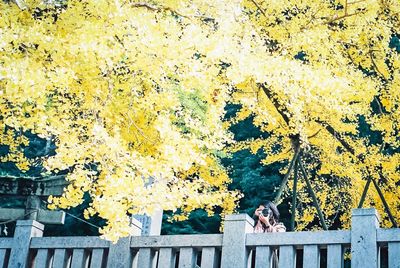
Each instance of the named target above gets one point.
<point>177,241</point>
<point>237,247</point>
<point>299,238</point>
<point>68,242</point>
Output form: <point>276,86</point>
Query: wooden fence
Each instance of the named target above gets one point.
<point>237,247</point>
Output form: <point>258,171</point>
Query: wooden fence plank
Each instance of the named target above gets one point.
<point>96,259</point>
<point>78,258</point>
<point>263,256</point>
<point>59,258</point>
<point>209,257</point>
<point>334,256</point>
<point>394,254</point>
<point>41,259</point>
<point>287,257</point>
<point>166,258</point>
<point>187,258</point>
<point>311,256</point>
<point>3,255</point>
<point>145,258</point>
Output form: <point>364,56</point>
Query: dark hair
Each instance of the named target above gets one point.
<point>269,205</point>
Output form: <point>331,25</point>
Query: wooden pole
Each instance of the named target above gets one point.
<point>313,196</point>
<point>385,204</point>
<point>286,177</point>
<point>364,194</point>
<point>381,196</point>
<point>294,196</point>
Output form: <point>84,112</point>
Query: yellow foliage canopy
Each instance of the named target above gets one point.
<point>131,101</point>
<point>326,72</point>
<point>133,94</point>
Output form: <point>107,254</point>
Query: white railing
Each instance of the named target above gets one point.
<point>236,247</point>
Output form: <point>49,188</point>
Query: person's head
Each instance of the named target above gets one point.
<point>270,206</point>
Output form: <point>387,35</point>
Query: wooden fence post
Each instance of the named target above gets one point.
<point>24,231</point>
<point>120,254</point>
<point>364,248</point>
<point>234,252</point>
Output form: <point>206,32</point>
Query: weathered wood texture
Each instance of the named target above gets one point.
<point>238,247</point>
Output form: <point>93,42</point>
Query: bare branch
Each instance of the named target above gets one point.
<point>156,8</point>
<point>281,109</point>
<point>313,17</point>
<point>159,9</point>
<point>343,17</point>
<point>315,134</point>
<point>346,14</point>
<point>370,53</point>
<point>379,105</point>
<point>140,131</point>
<point>355,2</point>
<point>259,8</point>
<point>332,131</point>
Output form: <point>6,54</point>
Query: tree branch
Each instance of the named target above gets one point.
<point>272,97</point>
<point>315,134</point>
<point>159,9</point>
<point>343,17</point>
<point>371,55</point>
<point>355,2</point>
<point>156,8</point>
<point>333,132</point>
<point>259,8</point>
<point>284,113</point>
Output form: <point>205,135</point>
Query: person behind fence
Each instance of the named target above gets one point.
<point>266,220</point>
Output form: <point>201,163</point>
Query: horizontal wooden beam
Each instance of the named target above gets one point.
<point>44,216</point>
<point>388,235</point>
<point>6,242</point>
<point>299,238</point>
<point>177,241</point>
<point>40,187</point>
<point>69,242</point>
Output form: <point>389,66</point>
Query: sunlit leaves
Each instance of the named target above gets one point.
<point>133,101</point>
<point>134,93</point>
